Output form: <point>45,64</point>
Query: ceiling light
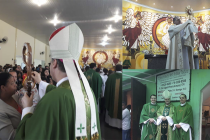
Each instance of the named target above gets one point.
<point>40,2</point>
<point>55,21</point>
<point>153,3</point>
<point>116,17</point>
<point>103,43</point>
<point>110,30</point>
<point>171,6</point>
<point>105,38</point>
<point>203,7</point>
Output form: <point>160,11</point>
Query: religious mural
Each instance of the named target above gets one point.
<point>108,58</point>
<point>145,32</point>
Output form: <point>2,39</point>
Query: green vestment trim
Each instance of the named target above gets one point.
<point>113,95</point>
<point>54,117</point>
<point>150,129</point>
<point>95,82</point>
<point>164,130</point>
<point>183,114</point>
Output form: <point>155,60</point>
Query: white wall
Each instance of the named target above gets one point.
<point>13,47</point>
<point>23,38</point>
<point>7,51</point>
<point>47,58</point>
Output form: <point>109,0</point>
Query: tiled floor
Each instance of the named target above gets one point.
<point>108,132</point>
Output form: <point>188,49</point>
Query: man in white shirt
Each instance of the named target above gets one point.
<point>126,123</point>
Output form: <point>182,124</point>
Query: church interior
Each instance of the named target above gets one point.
<point>33,21</point>
<point>139,85</point>
<point>148,45</point>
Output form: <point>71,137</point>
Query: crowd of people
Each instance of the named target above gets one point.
<point>13,87</point>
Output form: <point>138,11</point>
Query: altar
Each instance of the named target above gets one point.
<point>159,61</point>
<point>146,33</point>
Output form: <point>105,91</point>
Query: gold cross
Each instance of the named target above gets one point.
<point>150,136</point>
<point>180,110</point>
<point>152,110</point>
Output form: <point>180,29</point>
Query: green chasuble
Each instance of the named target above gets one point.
<point>183,114</point>
<point>164,130</point>
<point>113,95</point>
<point>95,82</point>
<point>54,116</point>
<point>149,129</point>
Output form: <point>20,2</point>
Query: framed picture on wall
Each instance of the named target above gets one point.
<point>177,82</point>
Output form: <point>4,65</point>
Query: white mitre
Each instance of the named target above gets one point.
<point>66,44</point>
<point>166,94</point>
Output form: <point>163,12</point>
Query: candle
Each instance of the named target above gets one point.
<point>151,38</point>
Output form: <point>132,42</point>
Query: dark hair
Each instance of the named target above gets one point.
<point>105,71</point>
<point>97,70</point>
<point>43,78</point>
<point>14,68</point>
<point>128,107</point>
<point>153,95</point>
<point>176,18</point>
<point>110,72</point>
<point>92,65</point>
<point>24,71</point>
<point>18,72</point>
<point>87,68</point>
<point>60,65</point>
<point>4,78</point>
<point>118,67</point>
<point>184,96</point>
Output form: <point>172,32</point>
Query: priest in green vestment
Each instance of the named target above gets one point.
<point>148,119</point>
<point>67,111</point>
<point>94,79</point>
<point>183,121</point>
<point>165,118</point>
<point>113,98</point>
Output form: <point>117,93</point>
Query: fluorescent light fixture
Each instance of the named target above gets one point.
<point>116,17</point>
<point>103,43</point>
<point>105,38</point>
<point>110,30</point>
<point>55,21</point>
<point>40,2</point>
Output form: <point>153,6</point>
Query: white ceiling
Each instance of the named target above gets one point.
<point>92,16</point>
<point>178,5</point>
